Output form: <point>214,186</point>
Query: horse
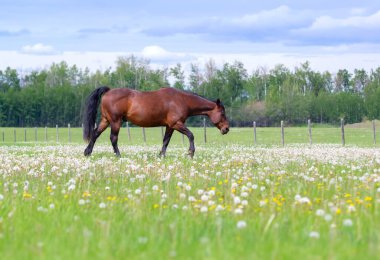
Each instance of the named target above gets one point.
<point>167,107</point>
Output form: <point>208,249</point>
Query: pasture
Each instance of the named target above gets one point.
<point>233,200</point>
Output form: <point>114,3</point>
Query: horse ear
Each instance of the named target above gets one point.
<point>218,102</point>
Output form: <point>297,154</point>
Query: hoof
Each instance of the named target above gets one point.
<point>87,153</point>
<point>191,154</point>
<point>117,155</point>
<point>162,154</point>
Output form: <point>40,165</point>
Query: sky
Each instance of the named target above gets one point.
<point>331,35</point>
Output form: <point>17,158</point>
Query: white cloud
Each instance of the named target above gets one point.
<point>38,49</point>
<point>321,59</point>
<point>272,17</point>
<point>158,54</point>
<point>154,52</point>
<point>330,23</point>
<point>358,11</point>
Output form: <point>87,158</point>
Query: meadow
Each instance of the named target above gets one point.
<point>233,200</point>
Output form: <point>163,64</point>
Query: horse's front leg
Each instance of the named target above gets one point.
<point>180,127</point>
<point>115,128</point>
<point>168,134</point>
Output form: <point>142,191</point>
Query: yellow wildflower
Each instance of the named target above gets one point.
<point>111,198</point>
<point>86,194</point>
<point>26,195</point>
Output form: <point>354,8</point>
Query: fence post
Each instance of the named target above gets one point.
<point>204,130</point>
<point>309,127</point>
<point>56,129</point>
<point>282,133</point>
<point>68,126</point>
<point>254,132</point>
<point>45,133</point>
<point>24,134</point>
<point>144,136</point>
<point>35,134</point>
<point>14,135</point>
<point>3,137</point>
<point>129,132</point>
<point>374,131</point>
<point>342,129</point>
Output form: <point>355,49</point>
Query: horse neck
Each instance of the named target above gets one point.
<point>200,106</point>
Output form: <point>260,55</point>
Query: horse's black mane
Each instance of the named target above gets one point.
<point>198,95</point>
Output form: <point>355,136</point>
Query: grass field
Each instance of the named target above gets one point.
<point>234,200</point>
<point>267,136</point>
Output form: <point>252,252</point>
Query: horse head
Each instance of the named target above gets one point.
<point>219,119</point>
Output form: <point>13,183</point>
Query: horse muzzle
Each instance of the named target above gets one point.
<point>224,130</point>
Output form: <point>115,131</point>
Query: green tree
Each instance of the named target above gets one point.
<point>179,76</point>
<point>9,79</point>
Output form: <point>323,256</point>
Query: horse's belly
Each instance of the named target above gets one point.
<point>144,119</point>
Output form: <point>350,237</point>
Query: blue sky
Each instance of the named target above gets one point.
<point>330,34</point>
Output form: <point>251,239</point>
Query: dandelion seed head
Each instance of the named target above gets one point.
<point>314,234</point>
<point>203,209</point>
<point>320,212</point>
<point>328,217</point>
<point>241,224</point>
<point>347,222</point>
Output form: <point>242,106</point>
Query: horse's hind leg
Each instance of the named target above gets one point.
<point>168,134</point>
<point>97,132</point>
<point>115,128</point>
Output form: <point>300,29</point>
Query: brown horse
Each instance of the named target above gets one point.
<point>165,107</point>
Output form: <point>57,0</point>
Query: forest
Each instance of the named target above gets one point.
<point>55,95</point>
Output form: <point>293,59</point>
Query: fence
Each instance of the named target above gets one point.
<point>65,134</point>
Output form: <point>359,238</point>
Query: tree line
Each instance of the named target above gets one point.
<point>55,95</point>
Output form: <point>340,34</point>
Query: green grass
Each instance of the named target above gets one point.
<point>234,200</point>
<point>243,136</point>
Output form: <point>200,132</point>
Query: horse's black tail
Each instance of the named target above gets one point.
<point>90,112</point>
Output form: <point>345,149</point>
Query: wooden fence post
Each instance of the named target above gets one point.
<point>282,133</point>
<point>68,126</point>
<point>204,130</point>
<point>3,137</point>
<point>129,132</point>
<point>309,127</point>
<point>144,136</point>
<point>254,132</point>
<point>374,131</point>
<point>342,129</point>
<point>25,134</point>
<point>56,129</point>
